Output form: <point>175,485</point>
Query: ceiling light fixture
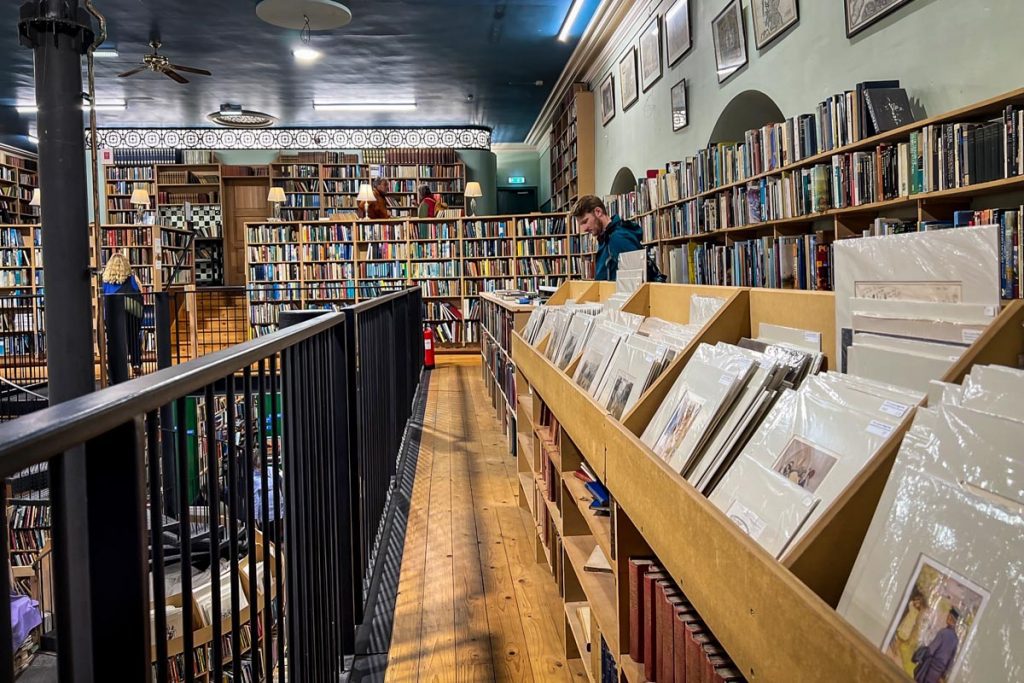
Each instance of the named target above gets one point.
<point>25,108</point>
<point>33,139</point>
<point>306,53</point>
<point>106,53</point>
<point>107,105</point>
<point>364,106</point>
<point>570,19</point>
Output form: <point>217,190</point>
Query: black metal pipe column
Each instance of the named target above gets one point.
<point>60,32</point>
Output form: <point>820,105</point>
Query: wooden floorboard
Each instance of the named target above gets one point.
<point>473,604</point>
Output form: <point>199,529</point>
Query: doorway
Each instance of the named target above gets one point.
<point>245,201</point>
<point>516,200</point>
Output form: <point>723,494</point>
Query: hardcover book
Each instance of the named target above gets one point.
<point>889,108</point>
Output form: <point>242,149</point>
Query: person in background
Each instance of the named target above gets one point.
<point>118,280</point>
<point>614,235</point>
<point>427,203</point>
<point>379,208</point>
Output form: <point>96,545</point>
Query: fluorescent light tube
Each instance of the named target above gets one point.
<point>570,19</point>
<point>306,54</point>
<point>106,53</point>
<point>102,105</point>
<point>360,106</point>
<point>33,139</point>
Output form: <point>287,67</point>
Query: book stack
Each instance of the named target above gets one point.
<point>937,583</point>
<point>667,635</point>
<point>601,503</point>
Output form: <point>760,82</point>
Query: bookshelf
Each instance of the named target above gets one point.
<point>19,175</point>
<point>572,148</point>
<point>295,264</point>
<point>302,185</point>
<point>736,209</point>
<point>121,181</point>
<point>499,317</point>
<point>29,524</point>
<point>22,328</point>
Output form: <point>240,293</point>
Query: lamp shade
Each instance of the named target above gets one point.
<point>35,198</point>
<point>473,189</point>
<point>366,193</point>
<point>276,195</point>
<point>140,197</point>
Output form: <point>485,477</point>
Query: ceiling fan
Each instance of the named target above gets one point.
<point>158,63</point>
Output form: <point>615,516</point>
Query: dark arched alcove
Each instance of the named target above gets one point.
<point>624,181</point>
<point>749,109</point>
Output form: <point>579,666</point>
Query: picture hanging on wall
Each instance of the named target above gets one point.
<point>608,99</point>
<point>677,31</point>
<point>650,54</point>
<point>862,13</point>
<point>730,40</point>
<point>772,18</point>
<point>679,118</point>
<point>628,89</point>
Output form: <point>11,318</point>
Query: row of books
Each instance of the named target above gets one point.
<point>14,258</point>
<point>387,251</point>
<point>273,252</point>
<point>388,269</point>
<point>487,268</point>
<point>330,271</point>
<point>126,187</point>
<point>438,250</point>
<point>298,185</point>
<point>445,288</point>
<point>142,157</point>
<point>541,247</point>
<point>799,262</point>
<point>301,201</point>
<point>430,231</point>
<point>402,155</point>
<point>349,186</point>
<point>133,173</point>
<point>666,633</point>
<point>340,202</point>
<point>483,248</point>
<point>321,158</point>
<point>454,332</point>
<point>191,197</point>
<point>330,251</point>
<point>352,171</point>
<point>382,231</point>
<point>295,171</point>
<point>279,271</point>
<point>540,266</point>
<point>251,171</point>
<point>301,214</point>
<point>429,269</point>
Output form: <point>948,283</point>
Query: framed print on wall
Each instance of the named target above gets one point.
<point>862,13</point>
<point>650,54</point>
<point>730,40</point>
<point>628,89</point>
<point>677,31</point>
<point>771,19</point>
<point>607,99</point>
<point>679,117</point>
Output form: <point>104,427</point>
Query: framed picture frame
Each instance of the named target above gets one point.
<point>680,119</point>
<point>607,99</point>
<point>730,37</point>
<point>772,19</point>
<point>862,13</point>
<point>628,88</point>
<point>677,31</point>
<point>650,53</point>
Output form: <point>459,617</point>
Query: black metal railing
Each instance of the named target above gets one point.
<point>228,505</point>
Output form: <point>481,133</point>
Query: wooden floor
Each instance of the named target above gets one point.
<point>472,605</point>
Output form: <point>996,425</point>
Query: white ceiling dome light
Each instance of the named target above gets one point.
<point>314,15</point>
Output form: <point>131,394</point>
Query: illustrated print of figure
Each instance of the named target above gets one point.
<point>934,660</point>
<point>772,17</point>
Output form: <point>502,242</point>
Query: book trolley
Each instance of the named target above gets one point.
<point>775,619</point>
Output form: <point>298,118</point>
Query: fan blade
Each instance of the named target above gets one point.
<point>174,75</point>
<point>190,70</point>
<point>132,72</point>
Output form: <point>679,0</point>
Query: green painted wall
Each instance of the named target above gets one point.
<point>946,53</point>
<point>525,164</point>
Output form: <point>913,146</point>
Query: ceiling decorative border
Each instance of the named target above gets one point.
<point>291,138</point>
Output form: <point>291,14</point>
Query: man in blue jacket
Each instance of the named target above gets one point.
<point>613,234</point>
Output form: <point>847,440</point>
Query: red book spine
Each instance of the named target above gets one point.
<point>727,674</point>
<point>650,632</point>
<point>695,638</point>
<point>712,660</point>
<point>682,617</point>
<point>637,570</point>
<point>666,634</point>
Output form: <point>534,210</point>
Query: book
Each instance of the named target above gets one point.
<point>638,567</point>
<point>889,108</point>
<point>650,627</point>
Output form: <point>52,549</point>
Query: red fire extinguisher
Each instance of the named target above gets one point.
<point>428,348</point>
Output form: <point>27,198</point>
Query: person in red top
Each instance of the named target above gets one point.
<point>428,203</point>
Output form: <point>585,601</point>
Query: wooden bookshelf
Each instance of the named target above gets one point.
<point>660,208</point>
<point>572,148</point>
<point>499,318</point>
<point>744,595</point>
<point>22,324</point>
<point>19,175</point>
<point>294,264</point>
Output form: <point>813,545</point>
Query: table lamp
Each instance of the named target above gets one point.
<point>140,200</point>
<point>473,191</point>
<point>277,198</point>
<point>366,196</point>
